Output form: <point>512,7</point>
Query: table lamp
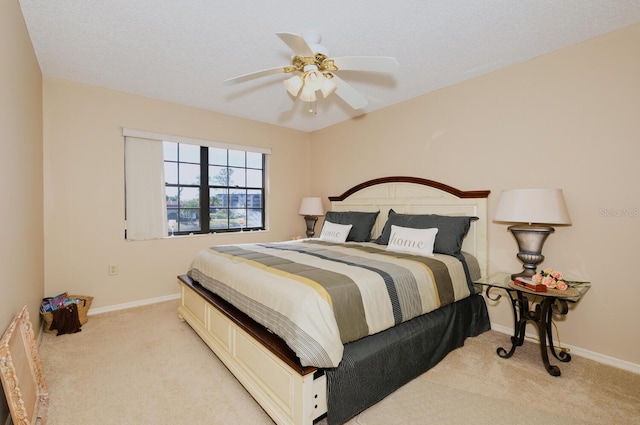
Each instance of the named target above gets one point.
<point>534,211</point>
<point>311,209</point>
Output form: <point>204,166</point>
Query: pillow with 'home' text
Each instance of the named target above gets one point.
<point>451,229</point>
<point>336,233</point>
<point>362,223</point>
<point>412,241</point>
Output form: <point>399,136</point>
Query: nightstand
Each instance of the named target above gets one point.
<point>535,307</point>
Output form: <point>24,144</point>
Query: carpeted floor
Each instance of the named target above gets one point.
<point>145,366</point>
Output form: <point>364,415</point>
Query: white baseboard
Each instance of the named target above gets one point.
<point>116,307</point>
<point>601,358</point>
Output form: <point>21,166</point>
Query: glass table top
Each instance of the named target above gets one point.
<point>503,280</point>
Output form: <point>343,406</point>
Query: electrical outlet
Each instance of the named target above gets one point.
<point>113,269</point>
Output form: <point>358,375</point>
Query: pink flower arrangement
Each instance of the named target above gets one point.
<point>551,279</point>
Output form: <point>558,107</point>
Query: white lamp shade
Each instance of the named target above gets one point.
<point>328,87</point>
<point>293,85</point>
<point>533,206</point>
<point>311,206</point>
<point>314,80</point>
<point>307,95</point>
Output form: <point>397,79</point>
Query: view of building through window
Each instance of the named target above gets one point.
<point>223,186</point>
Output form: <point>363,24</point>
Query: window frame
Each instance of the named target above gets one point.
<point>140,221</point>
<point>205,187</point>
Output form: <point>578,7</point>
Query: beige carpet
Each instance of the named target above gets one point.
<point>145,366</point>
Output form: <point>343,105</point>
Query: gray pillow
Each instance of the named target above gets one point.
<point>362,223</point>
<point>451,229</point>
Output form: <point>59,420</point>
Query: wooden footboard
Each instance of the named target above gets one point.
<point>262,362</point>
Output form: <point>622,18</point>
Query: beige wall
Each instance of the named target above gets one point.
<point>84,190</point>
<point>569,119</point>
<point>21,244</point>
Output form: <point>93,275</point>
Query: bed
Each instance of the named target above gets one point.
<point>354,319</point>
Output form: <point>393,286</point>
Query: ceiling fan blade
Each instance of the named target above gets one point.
<point>367,63</point>
<point>296,43</point>
<point>286,102</point>
<point>349,94</point>
<point>254,75</point>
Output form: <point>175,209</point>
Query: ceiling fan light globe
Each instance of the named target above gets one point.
<point>293,85</point>
<point>307,95</point>
<point>314,80</point>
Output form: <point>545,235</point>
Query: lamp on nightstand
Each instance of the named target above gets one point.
<point>311,209</point>
<point>534,211</point>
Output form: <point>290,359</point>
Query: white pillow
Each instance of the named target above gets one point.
<point>412,241</point>
<point>332,232</point>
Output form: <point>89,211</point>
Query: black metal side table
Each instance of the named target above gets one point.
<point>539,310</point>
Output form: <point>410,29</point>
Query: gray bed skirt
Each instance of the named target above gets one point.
<point>376,366</point>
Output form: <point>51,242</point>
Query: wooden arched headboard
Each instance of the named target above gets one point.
<point>413,195</point>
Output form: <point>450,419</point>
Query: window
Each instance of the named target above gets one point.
<point>180,186</point>
<point>223,186</point>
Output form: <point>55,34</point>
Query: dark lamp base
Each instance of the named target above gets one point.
<point>311,224</point>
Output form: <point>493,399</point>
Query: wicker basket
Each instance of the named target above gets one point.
<point>83,309</point>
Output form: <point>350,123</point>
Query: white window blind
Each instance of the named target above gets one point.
<point>145,194</point>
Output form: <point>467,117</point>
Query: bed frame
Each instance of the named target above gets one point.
<point>262,362</point>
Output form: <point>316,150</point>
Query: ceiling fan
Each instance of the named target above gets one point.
<point>313,70</point>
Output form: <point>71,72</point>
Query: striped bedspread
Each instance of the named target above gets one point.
<point>318,296</point>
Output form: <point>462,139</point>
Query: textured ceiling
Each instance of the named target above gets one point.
<point>182,50</point>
